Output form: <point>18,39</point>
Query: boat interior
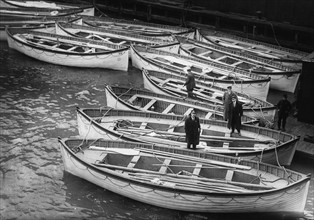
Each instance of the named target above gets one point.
<point>136,160</point>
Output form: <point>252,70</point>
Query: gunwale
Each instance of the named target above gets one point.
<point>247,77</point>
<point>103,45</point>
<point>254,62</point>
<point>37,12</point>
<point>283,77</point>
<point>90,127</point>
<point>296,56</point>
<point>119,97</point>
<point>40,4</point>
<point>159,29</point>
<point>220,75</point>
<point>79,58</point>
<point>114,37</point>
<point>261,109</point>
<point>69,155</point>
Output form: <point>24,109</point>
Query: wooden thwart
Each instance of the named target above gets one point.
<point>150,104</point>
<point>134,161</point>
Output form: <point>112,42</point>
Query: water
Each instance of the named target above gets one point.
<point>37,105</point>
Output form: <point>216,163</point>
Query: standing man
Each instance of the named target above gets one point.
<point>190,84</point>
<point>235,114</point>
<point>284,107</point>
<point>192,130</point>
<point>226,99</point>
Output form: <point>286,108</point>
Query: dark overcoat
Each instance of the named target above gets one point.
<point>235,113</point>
<point>192,130</point>
<point>190,82</point>
<point>284,107</point>
<point>226,98</point>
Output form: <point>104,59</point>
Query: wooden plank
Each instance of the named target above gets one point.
<point>122,42</point>
<point>168,109</point>
<point>171,128</point>
<point>72,48</point>
<point>226,144</point>
<point>133,161</point>
<point>197,169</point>
<point>229,175</point>
<point>188,111</point>
<point>148,105</point>
<point>132,98</point>
<point>222,57</point>
<point>208,115</point>
<point>164,82</point>
<point>164,167</point>
<point>143,125</point>
<point>236,63</point>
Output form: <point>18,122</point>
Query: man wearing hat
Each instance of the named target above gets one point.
<point>226,99</point>
<point>190,84</point>
<point>235,114</point>
<point>192,130</point>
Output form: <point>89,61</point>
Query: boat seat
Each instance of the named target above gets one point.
<point>222,57</point>
<point>157,79</point>
<point>226,144</point>
<point>208,115</point>
<point>72,48</point>
<point>229,175</point>
<point>171,128</point>
<point>236,63</point>
<point>168,109</point>
<point>204,53</point>
<point>197,169</point>
<point>90,50</point>
<point>164,82</point>
<point>122,42</point>
<point>133,161</point>
<point>188,111</point>
<point>163,168</point>
<point>143,125</point>
<point>131,100</point>
<point>150,104</point>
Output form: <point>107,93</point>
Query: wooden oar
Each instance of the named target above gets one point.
<point>202,180</point>
<point>249,185</point>
<point>187,166</point>
<point>202,137</point>
<point>123,151</point>
<point>223,188</point>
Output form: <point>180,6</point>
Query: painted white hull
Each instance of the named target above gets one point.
<point>284,83</point>
<point>115,60</point>
<point>267,114</point>
<point>258,90</point>
<point>284,153</point>
<point>287,200</point>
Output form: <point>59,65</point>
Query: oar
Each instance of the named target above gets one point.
<point>199,186</point>
<point>123,151</point>
<point>202,137</point>
<point>187,166</point>
<point>248,185</point>
<point>202,180</point>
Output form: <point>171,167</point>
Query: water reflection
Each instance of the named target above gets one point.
<point>37,105</point>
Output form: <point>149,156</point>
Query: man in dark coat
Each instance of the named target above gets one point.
<point>192,130</point>
<point>190,84</point>
<point>235,114</point>
<point>284,107</point>
<point>226,98</point>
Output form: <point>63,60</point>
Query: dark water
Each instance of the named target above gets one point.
<point>37,105</point>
